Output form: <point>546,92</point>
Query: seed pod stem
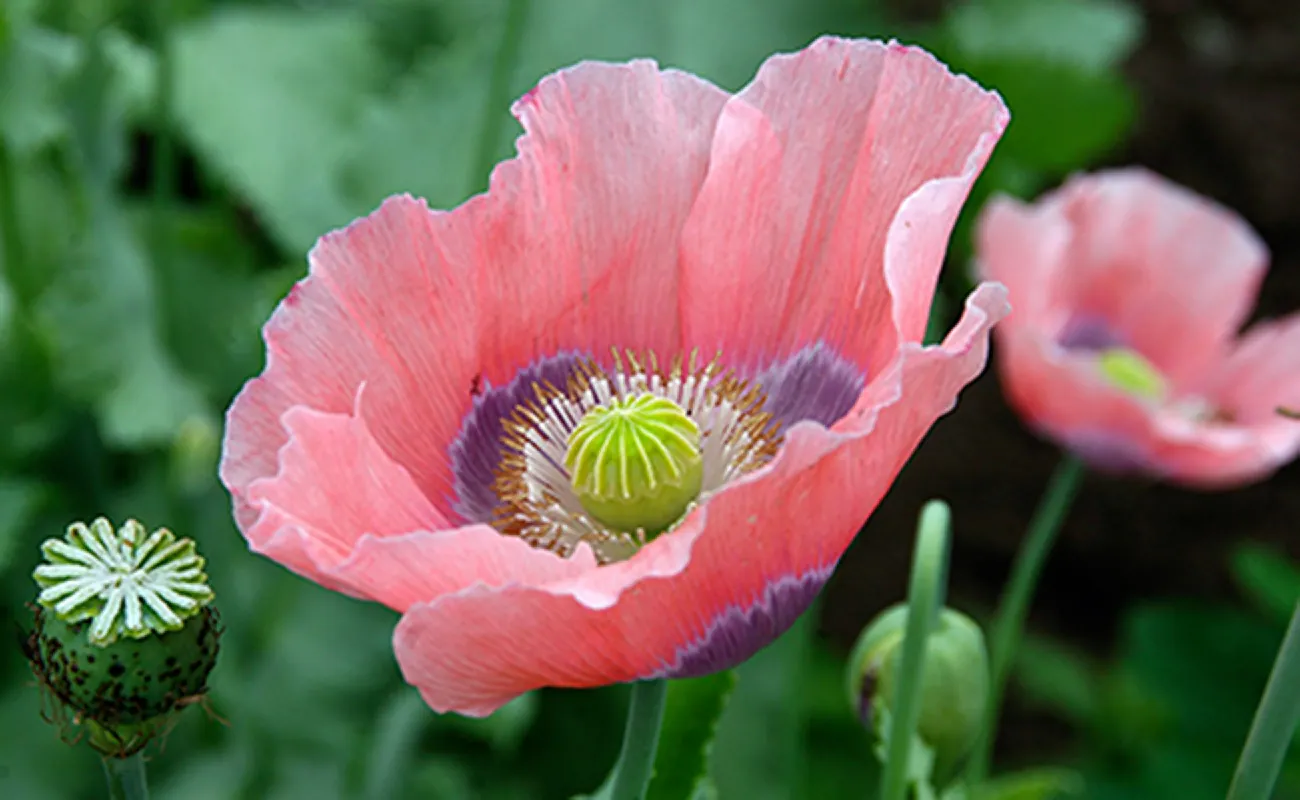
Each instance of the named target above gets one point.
<point>126,777</point>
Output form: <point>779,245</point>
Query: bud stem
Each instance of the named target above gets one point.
<point>1275,723</point>
<point>126,778</point>
<point>1014,607</point>
<point>640,741</point>
<point>925,597</point>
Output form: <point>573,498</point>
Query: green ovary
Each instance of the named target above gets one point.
<point>635,463</point>
<point>1128,370</point>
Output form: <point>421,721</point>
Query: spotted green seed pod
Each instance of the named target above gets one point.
<point>125,632</point>
<point>954,682</point>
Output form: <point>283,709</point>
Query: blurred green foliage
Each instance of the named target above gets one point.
<point>164,167</point>
<point>1166,718</point>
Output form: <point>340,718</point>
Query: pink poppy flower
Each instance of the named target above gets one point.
<point>1129,294</point>
<point>408,440</point>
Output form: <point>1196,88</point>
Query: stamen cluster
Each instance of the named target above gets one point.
<point>539,501</point>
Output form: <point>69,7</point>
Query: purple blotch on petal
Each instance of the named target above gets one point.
<point>477,450</point>
<point>815,383</point>
<point>1108,452</point>
<point>738,633</point>
<point>1089,332</point>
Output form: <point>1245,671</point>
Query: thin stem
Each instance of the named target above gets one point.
<point>164,159</point>
<point>1016,597</point>
<point>126,778</point>
<point>14,269</point>
<point>13,249</point>
<point>924,600</point>
<point>1275,723</point>
<point>498,95</point>
<point>640,740</point>
<point>397,738</point>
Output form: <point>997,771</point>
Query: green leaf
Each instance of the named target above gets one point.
<point>1043,783</point>
<point>1092,36</point>
<point>691,716</point>
<point>421,137</point>
<point>1268,578</point>
<point>211,302</point>
<point>101,319</point>
<point>151,400</point>
<point>352,129</point>
<point>1053,676</point>
<point>48,223</point>
<point>19,501</point>
<point>34,62</point>
<point>270,98</point>
<point>1063,117</point>
<point>217,774</point>
<point>1055,62</point>
<point>301,776</point>
<point>1207,665</point>
<point>396,741</point>
<point>37,765</point>
<point>759,751</point>
<point>504,729</point>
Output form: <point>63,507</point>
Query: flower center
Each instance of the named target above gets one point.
<point>635,463</point>
<point>619,456</point>
<point>1128,370</point>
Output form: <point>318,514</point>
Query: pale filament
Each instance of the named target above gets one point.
<point>540,505</point>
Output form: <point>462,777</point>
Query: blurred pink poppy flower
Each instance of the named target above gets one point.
<point>406,442</point>
<point>1124,347</point>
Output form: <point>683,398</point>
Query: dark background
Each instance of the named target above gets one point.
<point>1218,88</point>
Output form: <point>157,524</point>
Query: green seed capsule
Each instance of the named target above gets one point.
<point>635,463</point>
<point>125,634</point>
<point>130,680</point>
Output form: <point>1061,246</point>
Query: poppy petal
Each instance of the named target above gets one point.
<point>383,306</point>
<point>835,179</point>
<point>1173,274</point>
<point>589,215</point>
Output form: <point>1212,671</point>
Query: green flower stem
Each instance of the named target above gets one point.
<point>126,778</point>
<point>1275,723</point>
<point>498,94</point>
<point>164,157</point>
<point>640,740</point>
<point>1016,597</point>
<point>925,598</point>
<point>9,227</point>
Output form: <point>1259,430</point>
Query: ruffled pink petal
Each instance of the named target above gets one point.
<point>474,650</point>
<point>835,180</point>
<point>585,251</point>
<point>1174,273</point>
<point>341,512</point>
<point>1063,396</point>
<point>1261,374</point>
<point>574,247</point>
<point>387,304</point>
<point>1025,248</point>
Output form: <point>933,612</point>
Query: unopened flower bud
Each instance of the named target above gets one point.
<point>954,681</point>
<point>125,634</point>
